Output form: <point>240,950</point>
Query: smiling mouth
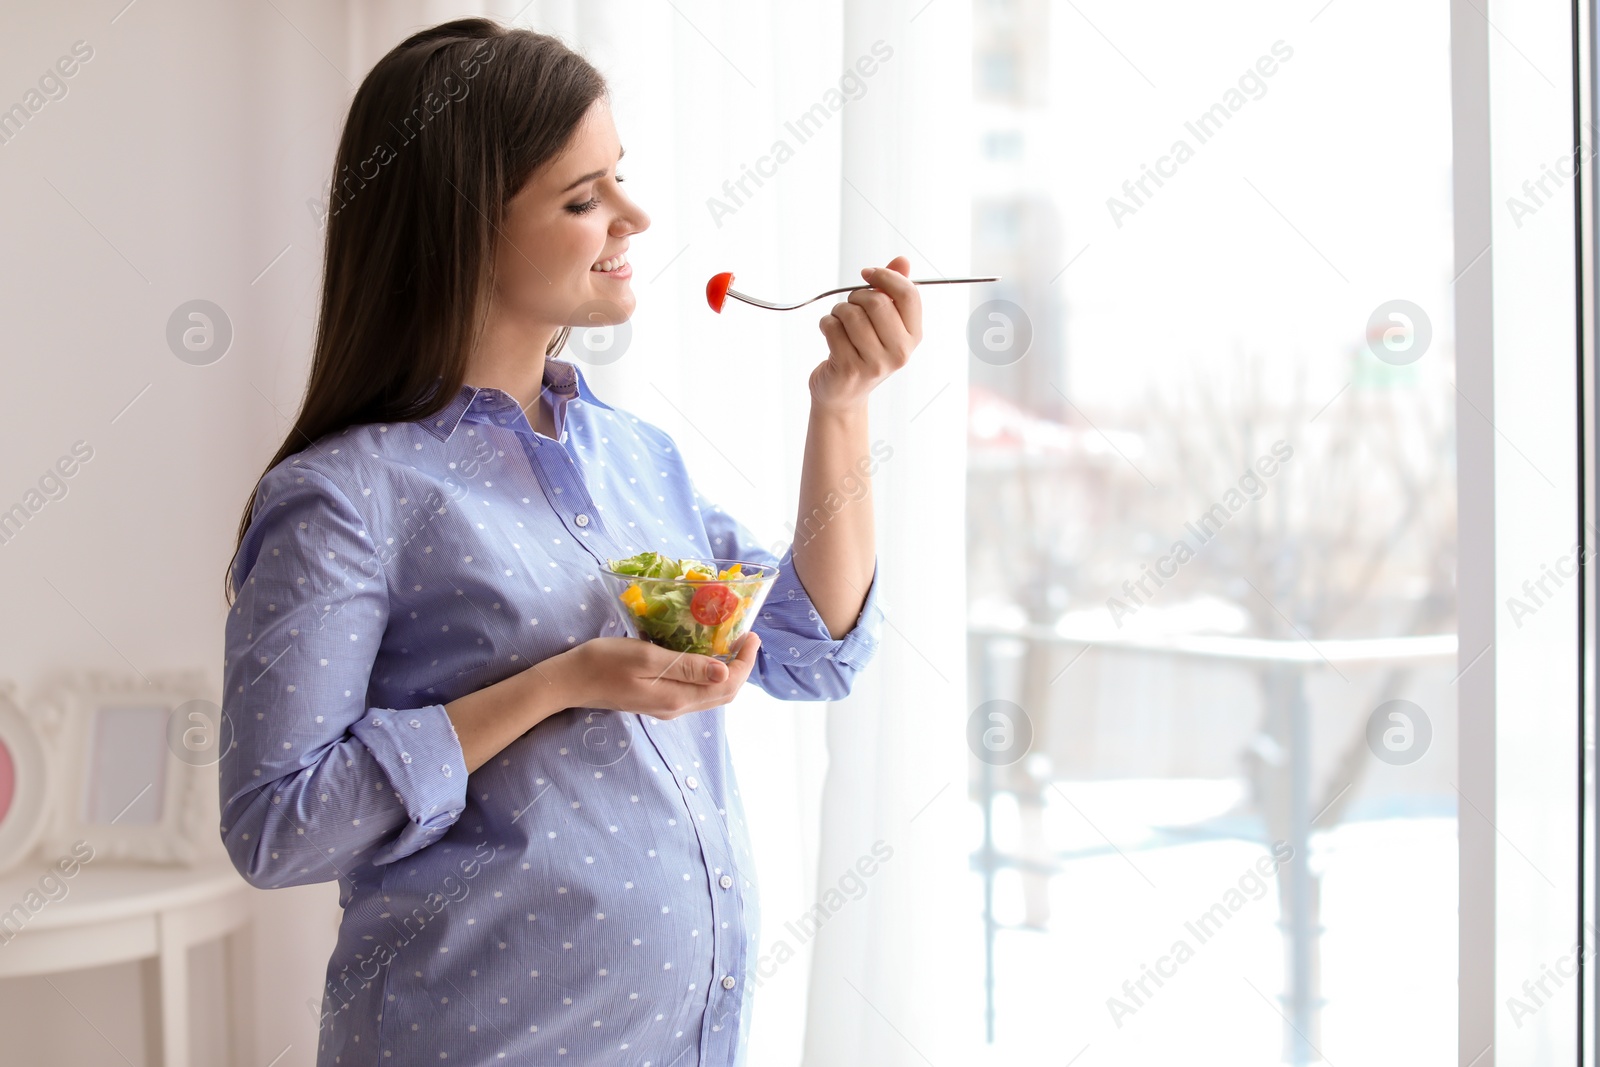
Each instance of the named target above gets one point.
<point>616,262</point>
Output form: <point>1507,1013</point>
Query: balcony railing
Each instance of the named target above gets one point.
<point>1284,666</point>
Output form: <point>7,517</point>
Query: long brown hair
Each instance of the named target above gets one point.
<point>444,131</point>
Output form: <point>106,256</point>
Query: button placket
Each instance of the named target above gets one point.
<point>569,497</point>
<point>725,953</point>
<point>716,851</point>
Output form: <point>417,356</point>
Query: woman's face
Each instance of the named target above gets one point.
<point>568,219</point>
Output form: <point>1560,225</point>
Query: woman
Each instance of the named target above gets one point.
<point>534,863</point>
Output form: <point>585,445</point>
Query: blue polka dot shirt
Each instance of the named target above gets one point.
<point>588,894</point>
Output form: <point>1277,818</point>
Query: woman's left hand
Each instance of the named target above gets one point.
<point>870,336</point>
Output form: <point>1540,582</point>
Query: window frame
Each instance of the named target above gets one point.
<point>1522,88</point>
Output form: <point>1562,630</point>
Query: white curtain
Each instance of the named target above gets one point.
<point>701,91</point>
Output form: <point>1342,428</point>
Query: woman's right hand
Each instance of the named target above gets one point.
<point>629,674</point>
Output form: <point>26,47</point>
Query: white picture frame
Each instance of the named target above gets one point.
<point>24,782</point>
<point>127,779</point>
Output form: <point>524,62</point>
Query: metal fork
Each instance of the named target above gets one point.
<point>847,289</point>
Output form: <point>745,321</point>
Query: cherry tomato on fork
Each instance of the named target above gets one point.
<point>717,290</point>
<point>713,604</point>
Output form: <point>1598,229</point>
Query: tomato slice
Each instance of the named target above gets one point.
<point>713,604</point>
<point>717,290</point>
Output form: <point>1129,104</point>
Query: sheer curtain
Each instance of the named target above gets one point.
<point>869,955</point>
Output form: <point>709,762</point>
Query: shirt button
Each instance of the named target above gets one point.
<point>581,519</point>
<point>405,757</point>
<point>725,882</point>
<point>446,770</point>
<point>793,651</point>
<point>415,725</point>
<point>692,782</point>
<point>728,982</point>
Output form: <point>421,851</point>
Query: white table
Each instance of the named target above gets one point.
<point>113,913</point>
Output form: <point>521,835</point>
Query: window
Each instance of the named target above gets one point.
<point>1213,544</point>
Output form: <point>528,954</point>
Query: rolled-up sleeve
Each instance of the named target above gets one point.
<point>799,659</point>
<point>314,780</point>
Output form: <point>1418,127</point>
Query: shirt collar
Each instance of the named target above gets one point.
<point>560,377</point>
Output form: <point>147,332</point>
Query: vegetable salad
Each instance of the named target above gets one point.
<point>700,612</point>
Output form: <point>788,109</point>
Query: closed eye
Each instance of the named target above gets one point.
<point>590,204</point>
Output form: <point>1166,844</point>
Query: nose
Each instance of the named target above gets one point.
<point>631,219</point>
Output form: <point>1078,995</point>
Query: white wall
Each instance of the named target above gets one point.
<point>187,147</point>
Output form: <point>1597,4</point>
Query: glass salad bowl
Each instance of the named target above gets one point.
<point>688,605</point>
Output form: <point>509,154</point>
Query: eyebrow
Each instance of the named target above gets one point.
<point>594,174</point>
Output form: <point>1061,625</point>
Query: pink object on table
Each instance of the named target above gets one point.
<point>8,780</point>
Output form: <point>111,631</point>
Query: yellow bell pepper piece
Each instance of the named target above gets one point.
<point>632,597</point>
<point>719,636</point>
<point>695,576</point>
